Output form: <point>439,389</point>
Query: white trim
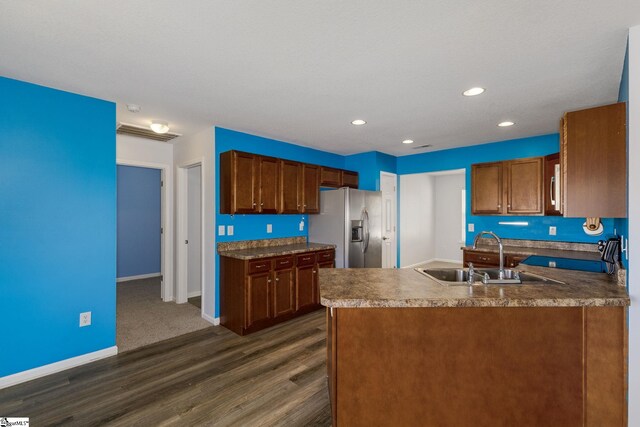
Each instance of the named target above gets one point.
<point>194,294</point>
<point>138,277</point>
<point>166,260</point>
<point>52,368</point>
<point>181,203</point>
<point>214,321</point>
<point>394,247</point>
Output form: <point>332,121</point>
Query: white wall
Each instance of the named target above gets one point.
<point>448,216</point>
<point>417,222</point>
<point>187,150</point>
<point>194,221</point>
<point>633,128</point>
<point>135,151</point>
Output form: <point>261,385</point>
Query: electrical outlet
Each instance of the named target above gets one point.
<point>552,231</point>
<point>221,230</point>
<point>269,228</point>
<point>301,226</point>
<point>552,264</point>
<point>229,230</point>
<point>85,319</point>
<point>471,228</point>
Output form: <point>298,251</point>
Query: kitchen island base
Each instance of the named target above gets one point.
<point>493,366</point>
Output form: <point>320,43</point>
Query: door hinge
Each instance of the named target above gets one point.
<point>161,230</point>
<point>186,242</point>
<point>161,183</point>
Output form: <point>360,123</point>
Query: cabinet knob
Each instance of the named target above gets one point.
<point>305,206</point>
<point>314,271</point>
<point>254,204</point>
<point>261,203</point>
<point>499,206</point>
<point>277,279</point>
<point>509,206</point>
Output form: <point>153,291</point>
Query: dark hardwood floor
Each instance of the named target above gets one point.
<point>209,377</point>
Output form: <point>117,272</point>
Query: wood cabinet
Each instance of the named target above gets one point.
<point>483,259</point>
<point>310,188</point>
<point>552,187</point>
<point>518,182</point>
<point>255,294</point>
<point>593,162</point>
<point>290,182</point>
<point>512,261</point>
<point>253,184</point>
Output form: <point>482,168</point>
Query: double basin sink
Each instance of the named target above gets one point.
<point>484,276</point>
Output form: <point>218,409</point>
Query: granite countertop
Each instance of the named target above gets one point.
<point>271,251</point>
<point>524,251</point>
<point>376,287</point>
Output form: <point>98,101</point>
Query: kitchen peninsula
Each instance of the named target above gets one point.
<point>405,350</point>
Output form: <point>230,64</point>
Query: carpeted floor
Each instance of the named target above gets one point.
<point>143,318</point>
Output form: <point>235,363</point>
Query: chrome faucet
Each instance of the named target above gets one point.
<point>500,249</point>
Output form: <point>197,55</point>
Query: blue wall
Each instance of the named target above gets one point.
<point>369,165</point>
<point>568,229</point>
<point>622,224</point>
<point>138,221</point>
<point>57,224</point>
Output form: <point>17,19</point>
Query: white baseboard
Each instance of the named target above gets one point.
<point>215,321</point>
<point>52,368</point>
<point>138,277</point>
<point>194,294</point>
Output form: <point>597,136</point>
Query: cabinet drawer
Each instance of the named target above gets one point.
<point>283,262</point>
<point>306,259</point>
<point>486,258</point>
<point>325,256</point>
<point>259,266</point>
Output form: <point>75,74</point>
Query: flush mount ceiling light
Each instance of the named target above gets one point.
<point>505,124</point>
<point>473,91</point>
<point>408,141</point>
<point>159,127</point>
<point>358,122</point>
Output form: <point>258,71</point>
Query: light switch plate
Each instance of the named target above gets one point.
<point>471,228</point>
<point>229,230</point>
<point>552,230</point>
<point>269,228</point>
<point>221,230</point>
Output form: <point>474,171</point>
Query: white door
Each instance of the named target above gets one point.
<point>194,231</point>
<point>388,185</point>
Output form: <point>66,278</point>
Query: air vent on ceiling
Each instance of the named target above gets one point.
<point>421,146</point>
<point>143,132</point>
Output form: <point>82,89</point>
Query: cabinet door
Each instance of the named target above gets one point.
<point>283,292</point>
<point>524,186</point>
<point>512,261</point>
<point>481,258</point>
<point>269,195</point>
<point>486,188</point>
<point>290,187</point>
<point>594,156</point>
<point>258,298</point>
<point>305,286</point>
<point>244,183</point>
<point>552,185</point>
<point>310,189</point>
<point>330,177</point>
<point>350,179</point>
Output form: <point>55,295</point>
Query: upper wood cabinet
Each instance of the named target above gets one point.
<point>518,182</point>
<point>593,162</point>
<point>290,187</point>
<point>310,189</point>
<point>251,183</point>
<point>486,188</point>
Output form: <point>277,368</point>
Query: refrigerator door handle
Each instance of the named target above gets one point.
<point>365,225</point>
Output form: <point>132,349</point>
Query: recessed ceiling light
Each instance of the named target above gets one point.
<point>505,124</point>
<point>473,91</point>
<point>408,141</point>
<point>358,122</point>
<point>159,127</point>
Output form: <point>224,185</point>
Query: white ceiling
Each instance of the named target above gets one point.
<point>301,70</point>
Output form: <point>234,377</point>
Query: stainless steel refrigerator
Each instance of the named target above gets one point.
<point>351,220</point>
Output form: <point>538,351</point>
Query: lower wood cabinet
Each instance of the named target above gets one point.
<point>255,294</point>
<point>482,259</point>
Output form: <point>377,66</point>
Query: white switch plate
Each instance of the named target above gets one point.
<point>269,228</point>
<point>229,230</point>
<point>471,228</point>
<point>221,230</point>
<point>552,230</point>
<point>85,319</point>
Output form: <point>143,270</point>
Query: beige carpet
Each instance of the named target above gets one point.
<point>143,318</point>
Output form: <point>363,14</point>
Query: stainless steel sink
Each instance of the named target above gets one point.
<point>484,276</point>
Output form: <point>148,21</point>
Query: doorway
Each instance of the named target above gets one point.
<point>194,235</point>
<point>388,187</point>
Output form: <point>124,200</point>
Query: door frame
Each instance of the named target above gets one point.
<point>394,248</point>
<point>166,222</point>
<point>182,206</point>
